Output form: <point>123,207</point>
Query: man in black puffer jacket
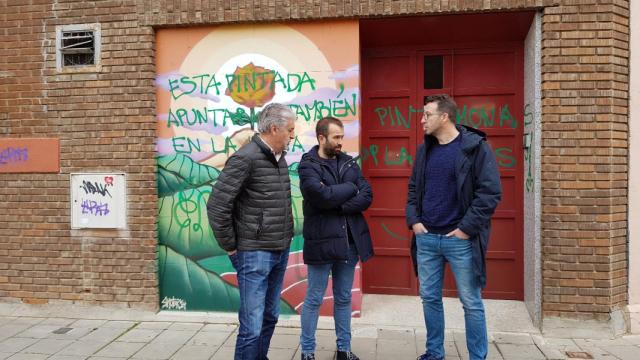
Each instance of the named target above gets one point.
<point>335,232</point>
<point>249,211</point>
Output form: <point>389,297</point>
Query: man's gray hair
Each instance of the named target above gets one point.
<point>274,114</point>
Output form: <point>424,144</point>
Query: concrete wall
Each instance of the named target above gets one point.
<point>634,169</point>
<point>532,194</point>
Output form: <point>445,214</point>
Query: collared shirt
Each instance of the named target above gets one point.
<point>278,155</point>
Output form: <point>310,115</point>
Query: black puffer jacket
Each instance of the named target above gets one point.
<point>250,205</point>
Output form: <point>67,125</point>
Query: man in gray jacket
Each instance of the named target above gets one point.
<point>249,211</point>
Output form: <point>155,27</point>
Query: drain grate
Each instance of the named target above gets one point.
<point>578,355</point>
<point>63,330</point>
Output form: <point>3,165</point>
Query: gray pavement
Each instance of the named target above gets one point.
<point>73,332</point>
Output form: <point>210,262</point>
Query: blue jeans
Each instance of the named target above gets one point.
<point>318,277</point>
<point>433,251</point>
<point>260,275</point>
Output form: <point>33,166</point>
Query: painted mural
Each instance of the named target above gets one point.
<point>211,86</point>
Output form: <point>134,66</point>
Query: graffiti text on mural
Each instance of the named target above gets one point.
<point>12,155</point>
<point>208,84</point>
<point>172,303</point>
<point>338,108</point>
<point>186,145</point>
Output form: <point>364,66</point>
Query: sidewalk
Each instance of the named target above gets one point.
<point>80,332</point>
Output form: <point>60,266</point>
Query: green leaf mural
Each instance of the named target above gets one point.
<point>183,279</point>
<point>179,172</point>
<point>188,286</point>
<point>183,224</point>
<point>296,199</point>
<point>191,263</point>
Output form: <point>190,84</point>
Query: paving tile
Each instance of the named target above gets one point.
<point>450,349</point>
<point>22,356</point>
<point>11,329</point>
<point>632,339</point>
<point>104,334</point>
<point>223,353</point>
<point>104,358</point>
<point>85,323</point>
<point>493,353</point>
<point>120,349</point>
<point>363,345</point>
<point>326,342</point>
<point>38,331</point>
<point>157,325</point>
<point>395,334</point>
<point>286,331</point>
<point>73,334</point>
<point>5,355</point>
<point>181,326</point>
<point>281,354</point>
<point>119,324</point>
<point>221,327</point>
<point>164,345</point>
<point>460,341</point>
<point>520,351</point>
<point>231,341</point>
<point>399,349</point>
<point>6,319</point>
<point>285,341</point>
<point>623,352</point>
<point>16,344</point>
<point>83,347</point>
<point>552,353</point>
<point>28,320</point>
<point>599,354</point>
<point>61,322</point>
<point>209,338</point>
<point>195,352</point>
<point>67,357</point>
<point>139,335</point>
<point>512,338</point>
<point>47,346</point>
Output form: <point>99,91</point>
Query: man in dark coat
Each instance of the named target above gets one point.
<point>335,233</point>
<point>249,211</point>
<point>453,192</point>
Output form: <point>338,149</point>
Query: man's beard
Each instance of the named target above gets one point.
<point>332,151</point>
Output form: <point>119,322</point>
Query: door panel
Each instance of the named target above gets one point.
<point>388,147</point>
<point>487,84</point>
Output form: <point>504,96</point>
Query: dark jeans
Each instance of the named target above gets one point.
<point>260,275</point>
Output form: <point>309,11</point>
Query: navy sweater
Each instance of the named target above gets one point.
<point>440,207</point>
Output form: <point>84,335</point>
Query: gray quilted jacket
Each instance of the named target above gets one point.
<point>250,205</point>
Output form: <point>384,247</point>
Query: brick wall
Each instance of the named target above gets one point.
<point>106,122</point>
<point>584,171</point>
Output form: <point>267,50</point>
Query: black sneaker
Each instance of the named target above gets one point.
<point>427,356</point>
<point>307,357</point>
<point>346,355</point>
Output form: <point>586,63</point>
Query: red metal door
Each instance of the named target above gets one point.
<point>388,144</point>
<point>487,83</point>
